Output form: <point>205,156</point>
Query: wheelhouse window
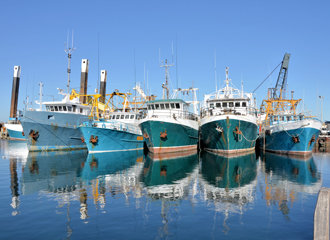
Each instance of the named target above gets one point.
<point>74,108</point>
<point>218,105</point>
<point>231,104</point>
<point>132,116</point>
<point>117,116</point>
<point>126,116</point>
<point>224,104</point>
<point>237,104</point>
<point>81,110</point>
<point>64,108</point>
<point>156,106</point>
<point>47,108</point>
<point>122,117</point>
<point>162,106</point>
<point>114,117</point>
<point>172,105</point>
<point>167,105</point>
<point>69,108</point>
<point>60,108</point>
<point>56,109</point>
<point>177,105</point>
<point>211,105</point>
<point>243,104</point>
<point>149,107</point>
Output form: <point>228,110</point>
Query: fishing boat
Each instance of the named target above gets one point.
<point>228,121</point>
<point>55,128</point>
<point>118,128</point>
<point>285,129</point>
<point>14,129</point>
<point>120,133</point>
<point>171,123</point>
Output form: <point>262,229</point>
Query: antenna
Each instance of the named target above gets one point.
<point>69,50</point>
<point>215,69</point>
<point>172,52</point>
<point>176,60</point>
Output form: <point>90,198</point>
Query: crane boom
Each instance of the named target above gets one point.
<point>282,79</point>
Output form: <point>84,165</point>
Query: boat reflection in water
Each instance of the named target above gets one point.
<point>114,172</point>
<point>229,182</point>
<point>168,178</point>
<point>167,175</point>
<point>283,178</point>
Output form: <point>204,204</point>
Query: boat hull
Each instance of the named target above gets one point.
<point>281,138</point>
<point>15,131</point>
<point>229,134</point>
<point>111,140</point>
<point>55,131</point>
<point>181,134</point>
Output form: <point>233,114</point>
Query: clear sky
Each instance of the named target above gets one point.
<point>250,37</point>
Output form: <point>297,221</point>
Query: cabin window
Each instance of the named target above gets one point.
<point>114,116</point>
<point>74,108</point>
<point>56,108</point>
<point>122,117</point>
<point>132,116</point>
<point>47,107</point>
<point>117,116</point>
<point>231,104</point>
<point>301,117</point>
<point>237,104</point>
<point>156,106</point>
<point>152,107</point>
<point>224,104</point>
<point>243,104</point>
<point>60,108</point>
<point>167,105</point>
<point>211,105</point>
<point>295,118</point>
<point>126,116</point>
<point>162,106</point>
<point>282,118</point>
<point>172,105</point>
<point>81,110</point>
<point>218,105</point>
<point>69,108</point>
<point>149,107</point>
<point>64,108</point>
<point>51,117</point>
<point>177,105</point>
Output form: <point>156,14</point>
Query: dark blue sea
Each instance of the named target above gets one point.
<point>129,195</point>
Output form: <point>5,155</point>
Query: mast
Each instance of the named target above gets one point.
<point>69,51</point>
<point>165,86</point>
<point>40,101</point>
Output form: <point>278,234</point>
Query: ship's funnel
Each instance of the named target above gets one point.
<point>84,79</point>
<point>103,84</point>
<point>15,90</point>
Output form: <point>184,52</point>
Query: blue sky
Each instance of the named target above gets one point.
<point>249,37</point>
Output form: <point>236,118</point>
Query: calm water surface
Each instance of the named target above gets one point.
<point>73,195</point>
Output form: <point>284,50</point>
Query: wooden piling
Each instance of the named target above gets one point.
<point>321,215</point>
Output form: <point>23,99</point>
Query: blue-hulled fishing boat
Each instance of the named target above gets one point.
<point>285,129</point>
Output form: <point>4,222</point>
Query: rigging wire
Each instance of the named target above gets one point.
<point>267,77</point>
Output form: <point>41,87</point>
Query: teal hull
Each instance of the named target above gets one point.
<point>222,136</point>
<point>178,137</point>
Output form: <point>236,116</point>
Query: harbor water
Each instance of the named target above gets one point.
<point>129,195</point>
